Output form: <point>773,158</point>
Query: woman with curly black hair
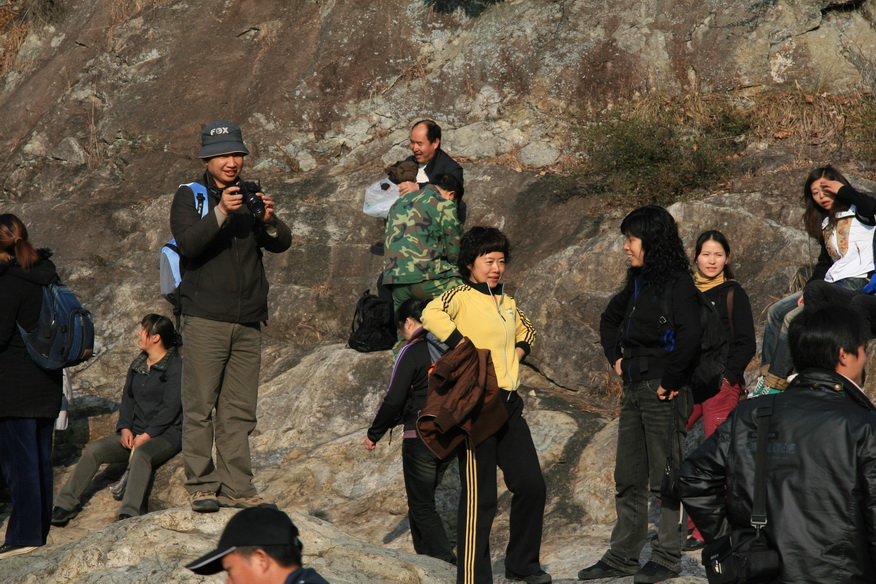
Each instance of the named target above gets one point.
<point>652,351</point>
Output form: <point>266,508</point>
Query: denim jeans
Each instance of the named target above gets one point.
<point>423,471</point>
<point>775,352</point>
<point>26,463</point>
<point>643,443</point>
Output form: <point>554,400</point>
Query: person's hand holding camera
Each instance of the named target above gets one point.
<point>267,216</point>
<point>231,200</point>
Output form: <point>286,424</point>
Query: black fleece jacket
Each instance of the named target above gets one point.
<point>151,400</point>
<point>224,278</point>
<point>441,163</point>
<point>631,328</point>
<point>743,344</point>
<point>26,390</point>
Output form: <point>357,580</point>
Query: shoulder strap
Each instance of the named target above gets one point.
<point>730,290</point>
<point>200,192</point>
<point>758,510</point>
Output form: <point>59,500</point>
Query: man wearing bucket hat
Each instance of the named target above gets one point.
<point>258,546</point>
<point>223,299</point>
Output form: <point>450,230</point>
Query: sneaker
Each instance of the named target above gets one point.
<point>243,502</point>
<point>762,388</point>
<point>601,570</point>
<point>653,572</point>
<point>205,502</point>
<point>693,544</point>
<point>7,550</point>
<point>540,577</point>
<point>123,516</point>
<point>61,517</point>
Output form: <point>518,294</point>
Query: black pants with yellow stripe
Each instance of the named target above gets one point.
<point>512,450</point>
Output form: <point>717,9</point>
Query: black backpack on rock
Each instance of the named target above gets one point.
<point>372,328</point>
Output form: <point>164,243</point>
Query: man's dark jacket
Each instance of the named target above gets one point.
<point>821,485</point>
<point>441,163</point>
<point>224,277</point>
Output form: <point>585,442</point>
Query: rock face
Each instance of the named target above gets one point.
<point>101,114</point>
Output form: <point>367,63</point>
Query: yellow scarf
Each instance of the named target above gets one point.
<point>704,283</point>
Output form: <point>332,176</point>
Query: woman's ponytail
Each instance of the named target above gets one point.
<point>13,241</point>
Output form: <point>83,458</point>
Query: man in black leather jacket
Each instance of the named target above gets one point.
<point>821,470</point>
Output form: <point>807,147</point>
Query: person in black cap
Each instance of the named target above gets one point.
<point>258,546</point>
<point>223,298</point>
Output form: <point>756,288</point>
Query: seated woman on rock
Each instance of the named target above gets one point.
<point>403,401</point>
<point>842,220</point>
<point>149,431</point>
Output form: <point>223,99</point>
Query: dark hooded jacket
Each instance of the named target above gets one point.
<point>821,483</point>
<point>26,390</point>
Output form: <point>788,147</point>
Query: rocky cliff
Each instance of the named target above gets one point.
<point>101,113</point>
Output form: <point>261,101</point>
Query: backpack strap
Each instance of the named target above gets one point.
<point>758,509</point>
<point>730,311</point>
<point>200,192</point>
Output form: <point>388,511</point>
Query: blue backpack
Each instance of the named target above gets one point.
<point>171,271</point>
<point>64,335</point>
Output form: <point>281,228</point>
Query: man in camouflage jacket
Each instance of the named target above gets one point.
<point>422,241</point>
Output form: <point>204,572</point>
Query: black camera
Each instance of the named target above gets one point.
<point>253,202</point>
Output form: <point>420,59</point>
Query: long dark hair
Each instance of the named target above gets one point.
<point>718,237</point>
<point>813,215</point>
<point>664,253</point>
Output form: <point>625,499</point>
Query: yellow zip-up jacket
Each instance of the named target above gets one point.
<point>490,319</point>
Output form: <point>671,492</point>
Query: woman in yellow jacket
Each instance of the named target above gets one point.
<point>480,311</point>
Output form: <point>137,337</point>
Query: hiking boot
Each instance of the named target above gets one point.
<point>601,570</point>
<point>653,572</point>
<point>61,517</point>
<point>693,544</point>
<point>205,502</point>
<point>540,577</point>
<point>123,516</point>
<point>243,502</point>
<point>7,550</point>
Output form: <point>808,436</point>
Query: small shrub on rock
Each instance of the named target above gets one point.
<point>471,8</point>
<point>657,159</point>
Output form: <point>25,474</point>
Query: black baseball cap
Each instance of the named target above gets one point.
<point>256,527</point>
<point>221,137</point>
